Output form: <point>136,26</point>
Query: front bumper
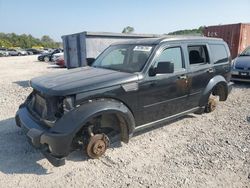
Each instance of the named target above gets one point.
<point>54,146</point>
<point>240,75</point>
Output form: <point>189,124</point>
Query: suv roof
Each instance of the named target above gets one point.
<point>152,41</point>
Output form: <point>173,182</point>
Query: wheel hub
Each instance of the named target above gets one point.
<point>97,145</point>
<point>212,104</point>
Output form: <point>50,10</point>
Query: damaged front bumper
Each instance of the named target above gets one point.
<point>54,146</point>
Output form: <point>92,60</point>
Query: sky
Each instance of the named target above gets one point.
<point>60,17</point>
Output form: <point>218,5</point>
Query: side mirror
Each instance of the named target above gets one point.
<point>90,61</point>
<point>162,68</point>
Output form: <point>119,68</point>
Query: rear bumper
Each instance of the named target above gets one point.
<point>54,146</point>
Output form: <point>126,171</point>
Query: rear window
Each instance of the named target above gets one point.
<point>219,53</point>
<point>198,54</point>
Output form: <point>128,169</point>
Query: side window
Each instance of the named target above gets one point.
<point>173,55</point>
<point>116,57</point>
<point>219,53</point>
<point>198,54</point>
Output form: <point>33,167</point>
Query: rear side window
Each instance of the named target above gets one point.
<point>219,53</point>
<point>198,54</point>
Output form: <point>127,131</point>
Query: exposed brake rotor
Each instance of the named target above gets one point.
<point>97,145</point>
<point>211,105</point>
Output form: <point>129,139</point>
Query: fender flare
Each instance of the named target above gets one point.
<point>215,81</point>
<point>73,121</point>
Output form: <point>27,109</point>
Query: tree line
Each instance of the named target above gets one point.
<point>10,40</point>
<point>197,31</point>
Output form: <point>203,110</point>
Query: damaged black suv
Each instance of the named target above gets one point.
<point>131,86</point>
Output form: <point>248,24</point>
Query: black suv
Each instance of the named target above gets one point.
<point>131,86</point>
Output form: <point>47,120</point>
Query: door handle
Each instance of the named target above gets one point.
<point>210,70</point>
<point>182,77</point>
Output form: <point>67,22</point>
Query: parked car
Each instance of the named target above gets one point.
<point>32,51</point>
<point>131,86</point>
<point>17,52</point>
<point>48,56</point>
<point>13,52</point>
<point>241,67</point>
<point>55,56</point>
<point>4,52</point>
<point>60,61</point>
<point>22,52</point>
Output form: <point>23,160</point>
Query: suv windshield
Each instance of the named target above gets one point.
<point>246,52</point>
<point>125,58</point>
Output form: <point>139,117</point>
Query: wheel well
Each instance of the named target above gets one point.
<point>220,90</point>
<point>112,124</point>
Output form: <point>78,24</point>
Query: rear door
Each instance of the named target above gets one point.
<point>200,71</point>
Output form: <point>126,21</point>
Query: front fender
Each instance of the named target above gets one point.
<point>211,84</point>
<point>74,120</point>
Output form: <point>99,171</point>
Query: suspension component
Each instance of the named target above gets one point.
<point>97,145</point>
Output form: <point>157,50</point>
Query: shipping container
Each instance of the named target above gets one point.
<point>237,36</point>
<point>80,46</point>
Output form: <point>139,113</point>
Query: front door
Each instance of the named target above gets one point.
<point>164,95</point>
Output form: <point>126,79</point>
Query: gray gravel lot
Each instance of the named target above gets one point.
<point>209,150</point>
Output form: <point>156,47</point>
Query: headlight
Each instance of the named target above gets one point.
<point>68,103</point>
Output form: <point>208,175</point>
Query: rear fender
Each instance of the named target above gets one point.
<point>221,90</point>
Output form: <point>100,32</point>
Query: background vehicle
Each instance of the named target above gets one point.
<point>60,61</point>
<point>48,56</point>
<point>32,51</point>
<point>3,52</point>
<point>241,67</point>
<point>22,52</point>
<point>131,86</point>
<point>13,52</point>
<point>55,56</point>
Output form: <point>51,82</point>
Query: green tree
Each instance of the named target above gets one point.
<point>26,41</point>
<point>198,31</point>
<point>5,43</point>
<point>128,29</point>
<point>46,38</point>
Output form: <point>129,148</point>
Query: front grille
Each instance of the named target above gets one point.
<point>241,77</point>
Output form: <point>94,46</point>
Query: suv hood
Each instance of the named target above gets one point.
<point>79,80</point>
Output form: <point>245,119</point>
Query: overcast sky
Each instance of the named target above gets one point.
<point>60,17</point>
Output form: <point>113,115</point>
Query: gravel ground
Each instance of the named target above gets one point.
<point>209,150</point>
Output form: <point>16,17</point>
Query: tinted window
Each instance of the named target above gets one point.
<point>198,54</point>
<point>173,55</point>
<point>219,53</point>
